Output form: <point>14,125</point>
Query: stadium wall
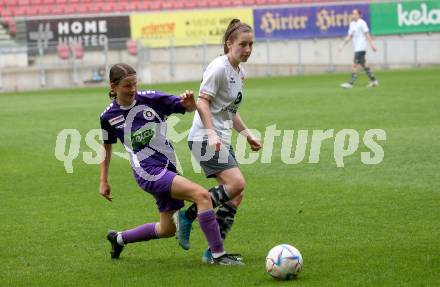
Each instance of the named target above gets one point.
<point>269,58</point>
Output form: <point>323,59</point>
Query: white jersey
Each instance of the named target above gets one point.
<point>225,86</point>
<point>357,30</point>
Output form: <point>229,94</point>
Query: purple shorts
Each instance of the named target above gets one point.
<point>158,183</point>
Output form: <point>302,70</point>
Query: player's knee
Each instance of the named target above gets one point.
<point>238,186</point>
<point>202,197</point>
<point>241,184</point>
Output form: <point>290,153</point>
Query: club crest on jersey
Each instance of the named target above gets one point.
<point>232,80</point>
<point>149,114</point>
<point>116,120</point>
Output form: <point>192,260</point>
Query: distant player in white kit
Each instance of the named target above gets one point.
<point>359,32</point>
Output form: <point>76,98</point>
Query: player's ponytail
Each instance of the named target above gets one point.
<point>117,73</point>
<point>234,28</point>
<point>112,95</point>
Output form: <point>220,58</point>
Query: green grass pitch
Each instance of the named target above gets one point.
<point>360,225</point>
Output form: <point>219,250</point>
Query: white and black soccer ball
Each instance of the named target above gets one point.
<point>284,262</point>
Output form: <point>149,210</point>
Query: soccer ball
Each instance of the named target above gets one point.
<point>284,262</point>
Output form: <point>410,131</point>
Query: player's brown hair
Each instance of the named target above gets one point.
<point>234,28</point>
<point>359,11</point>
<point>117,73</point>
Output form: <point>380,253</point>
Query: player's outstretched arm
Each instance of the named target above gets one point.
<point>187,101</point>
<point>104,186</point>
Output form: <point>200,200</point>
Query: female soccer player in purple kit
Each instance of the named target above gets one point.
<point>137,119</point>
<point>221,93</point>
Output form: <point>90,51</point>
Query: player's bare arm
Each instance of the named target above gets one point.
<point>370,40</point>
<point>241,127</point>
<point>187,100</point>
<point>203,107</point>
<point>345,42</point>
<point>104,186</point>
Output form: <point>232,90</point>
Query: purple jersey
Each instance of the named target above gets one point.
<point>141,128</point>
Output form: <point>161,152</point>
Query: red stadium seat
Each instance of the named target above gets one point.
<point>23,2</point>
<point>79,50</point>
<point>57,10</point>
<point>10,3</point>
<point>190,4</point>
<point>45,10</point>
<point>7,22</point>
<point>261,2</point>
<point>9,10</point>
<point>20,11</point>
<point>33,10</point>
<point>132,47</point>
<point>168,4</point>
<point>22,8</point>
<point>237,2</point>
<point>81,8</point>
<point>69,9</point>
<point>179,5</point>
<point>94,7</point>
<point>63,51</point>
<point>156,5</point>
<point>6,13</point>
<point>130,6</point>
<point>12,26</point>
<point>203,3</point>
<point>142,5</point>
<point>109,7</point>
<point>215,3</point>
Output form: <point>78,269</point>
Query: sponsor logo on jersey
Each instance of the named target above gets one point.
<point>116,120</point>
<point>239,98</point>
<point>232,80</point>
<point>142,137</point>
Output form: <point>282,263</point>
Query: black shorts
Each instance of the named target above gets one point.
<point>359,57</point>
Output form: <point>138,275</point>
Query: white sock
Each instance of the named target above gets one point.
<point>217,255</point>
<point>119,239</point>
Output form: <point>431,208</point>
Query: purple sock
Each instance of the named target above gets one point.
<point>209,225</point>
<point>141,233</point>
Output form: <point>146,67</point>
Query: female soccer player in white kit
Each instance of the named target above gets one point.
<point>221,93</point>
<point>359,32</point>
